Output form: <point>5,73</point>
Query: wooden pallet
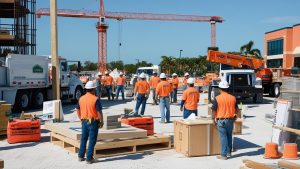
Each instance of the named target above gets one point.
<point>116,147</point>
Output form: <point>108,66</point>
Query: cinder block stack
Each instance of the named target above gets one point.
<point>111,121</point>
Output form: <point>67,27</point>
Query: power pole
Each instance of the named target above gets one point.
<point>54,51</point>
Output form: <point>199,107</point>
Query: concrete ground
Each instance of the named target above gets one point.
<point>250,145</point>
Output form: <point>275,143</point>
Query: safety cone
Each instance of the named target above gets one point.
<point>290,151</point>
<point>271,151</point>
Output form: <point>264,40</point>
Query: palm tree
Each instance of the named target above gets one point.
<point>247,49</point>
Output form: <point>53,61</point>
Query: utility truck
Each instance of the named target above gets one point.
<point>26,81</point>
<point>243,82</point>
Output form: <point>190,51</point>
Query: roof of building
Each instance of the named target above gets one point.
<point>283,28</point>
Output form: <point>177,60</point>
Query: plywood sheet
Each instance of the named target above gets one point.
<point>72,130</point>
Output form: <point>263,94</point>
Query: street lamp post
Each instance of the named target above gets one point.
<point>180,53</point>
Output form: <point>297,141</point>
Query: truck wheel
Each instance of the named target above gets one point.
<point>22,100</point>
<point>78,93</point>
<point>276,90</point>
<point>38,99</point>
<point>258,98</point>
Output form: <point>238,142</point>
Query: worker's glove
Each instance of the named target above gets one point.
<point>235,117</point>
<point>215,121</point>
<point>134,97</point>
<point>100,125</point>
<point>181,108</point>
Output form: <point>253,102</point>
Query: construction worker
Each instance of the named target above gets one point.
<point>154,80</point>
<point>135,79</point>
<point>108,84</point>
<point>163,91</point>
<point>186,77</point>
<point>89,111</point>
<point>141,93</point>
<point>225,109</point>
<point>98,82</point>
<point>190,99</point>
<point>175,83</point>
<point>121,80</point>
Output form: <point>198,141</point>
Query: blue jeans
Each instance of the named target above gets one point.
<point>187,113</point>
<point>184,88</point>
<point>109,92</point>
<point>120,88</point>
<point>141,99</point>
<point>98,91</point>
<point>225,128</point>
<point>164,106</point>
<point>174,95</point>
<point>89,132</point>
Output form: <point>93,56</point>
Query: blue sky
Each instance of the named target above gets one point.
<point>149,40</point>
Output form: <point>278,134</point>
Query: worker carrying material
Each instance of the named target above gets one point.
<point>175,83</point>
<point>89,111</point>
<point>163,91</point>
<point>225,111</point>
<point>190,99</point>
<point>121,80</point>
<point>154,80</point>
<point>108,84</point>
<point>99,84</point>
<point>141,93</point>
<point>186,77</point>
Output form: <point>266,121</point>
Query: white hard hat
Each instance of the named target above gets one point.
<point>191,81</point>
<point>90,85</point>
<point>162,76</point>
<point>174,74</point>
<point>223,84</point>
<point>99,74</point>
<point>106,72</point>
<point>186,74</point>
<point>142,75</point>
<point>121,73</point>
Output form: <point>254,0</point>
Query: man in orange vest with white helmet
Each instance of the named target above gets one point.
<point>175,83</point>
<point>108,84</point>
<point>225,109</point>
<point>154,80</point>
<point>163,91</point>
<point>186,77</point>
<point>190,99</point>
<point>141,93</point>
<point>89,111</point>
<point>121,80</point>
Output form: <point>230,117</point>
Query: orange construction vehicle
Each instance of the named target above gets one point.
<point>271,78</point>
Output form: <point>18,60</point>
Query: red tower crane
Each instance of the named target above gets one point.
<point>102,26</point>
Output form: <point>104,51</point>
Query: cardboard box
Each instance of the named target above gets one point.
<point>198,137</point>
<point>5,113</point>
<point>238,126</point>
<point>1,163</point>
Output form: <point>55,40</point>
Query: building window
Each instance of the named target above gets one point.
<point>275,47</point>
<point>274,63</point>
<point>297,62</point>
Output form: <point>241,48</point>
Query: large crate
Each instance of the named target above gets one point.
<point>196,137</point>
<point>294,96</point>
<point>290,83</point>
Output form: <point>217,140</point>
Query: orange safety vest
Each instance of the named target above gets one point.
<point>154,81</point>
<point>108,80</point>
<point>191,97</point>
<point>226,106</point>
<point>87,105</point>
<point>121,81</point>
<point>142,86</point>
<point>175,82</point>
<point>163,89</point>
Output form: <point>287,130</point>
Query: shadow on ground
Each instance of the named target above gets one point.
<point>239,144</point>
<point>128,157</point>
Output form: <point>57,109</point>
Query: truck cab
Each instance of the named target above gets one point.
<point>243,83</point>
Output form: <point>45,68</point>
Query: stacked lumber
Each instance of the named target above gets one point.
<point>113,142</point>
<point>257,165</point>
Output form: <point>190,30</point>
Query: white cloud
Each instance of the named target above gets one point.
<point>283,19</point>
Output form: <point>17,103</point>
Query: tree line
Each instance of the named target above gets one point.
<point>196,66</point>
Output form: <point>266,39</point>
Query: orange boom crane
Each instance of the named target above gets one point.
<point>271,78</point>
<point>102,25</point>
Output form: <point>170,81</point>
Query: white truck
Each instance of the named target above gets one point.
<point>148,71</point>
<point>26,81</point>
